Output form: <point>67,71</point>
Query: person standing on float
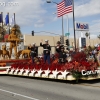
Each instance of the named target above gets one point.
<point>62,56</point>
<point>46,51</point>
<point>34,51</point>
<point>58,47</point>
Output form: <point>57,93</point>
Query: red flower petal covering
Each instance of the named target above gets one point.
<point>78,64</point>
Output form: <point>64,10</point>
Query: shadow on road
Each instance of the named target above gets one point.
<point>56,80</point>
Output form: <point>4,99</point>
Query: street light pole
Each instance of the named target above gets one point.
<point>62,30</point>
<point>54,2</point>
<point>68,25</point>
<point>74,27</point>
<point>47,32</point>
<point>49,1</point>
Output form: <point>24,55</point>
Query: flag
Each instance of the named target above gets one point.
<point>64,7</point>
<point>7,19</point>
<point>1,19</point>
<point>12,21</point>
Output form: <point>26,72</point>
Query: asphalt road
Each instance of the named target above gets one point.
<point>19,88</point>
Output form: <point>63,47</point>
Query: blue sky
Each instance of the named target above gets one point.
<point>39,16</point>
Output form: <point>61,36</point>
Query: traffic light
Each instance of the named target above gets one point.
<point>67,42</point>
<point>67,48</point>
<point>32,33</point>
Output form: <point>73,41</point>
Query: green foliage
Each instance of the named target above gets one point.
<point>87,34</point>
<point>77,75</point>
<point>2,33</point>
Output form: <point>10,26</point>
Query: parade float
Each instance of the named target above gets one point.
<point>77,67</point>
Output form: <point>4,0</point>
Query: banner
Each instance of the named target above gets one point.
<point>12,21</point>
<point>7,19</point>
<point>1,19</point>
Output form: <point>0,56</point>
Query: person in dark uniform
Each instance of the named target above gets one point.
<point>34,51</point>
<point>62,56</point>
<point>46,51</point>
<point>58,47</point>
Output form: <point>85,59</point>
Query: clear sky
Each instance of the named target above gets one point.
<point>39,16</point>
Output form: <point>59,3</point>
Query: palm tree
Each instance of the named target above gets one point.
<point>2,33</point>
<point>98,36</point>
<point>87,35</point>
<point>18,31</point>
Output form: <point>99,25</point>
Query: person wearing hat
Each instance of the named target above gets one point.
<point>46,51</point>
<point>34,51</point>
<point>58,47</point>
<point>62,55</point>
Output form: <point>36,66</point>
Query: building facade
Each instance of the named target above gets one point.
<point>28,39</point>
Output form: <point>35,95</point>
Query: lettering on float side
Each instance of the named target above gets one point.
<point>84,73</point>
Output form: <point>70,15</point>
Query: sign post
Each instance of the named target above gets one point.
<point>67,34</point>
<point>82,26</point>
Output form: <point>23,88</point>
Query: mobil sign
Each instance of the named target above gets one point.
<point>81,26</point>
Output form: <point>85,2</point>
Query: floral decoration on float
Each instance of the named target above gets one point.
<point>79,67</point>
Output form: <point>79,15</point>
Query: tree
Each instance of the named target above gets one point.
<point>98,36</point>
<point>18,31</point>
<point>87,35</point>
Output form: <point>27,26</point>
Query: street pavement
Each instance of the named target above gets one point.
<point>23,88</point>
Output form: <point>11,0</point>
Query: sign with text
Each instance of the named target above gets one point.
<point>81,26</point>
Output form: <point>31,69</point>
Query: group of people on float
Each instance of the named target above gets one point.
<point>60,50</point>
<point>47,50</point>
<point>94,53</point>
